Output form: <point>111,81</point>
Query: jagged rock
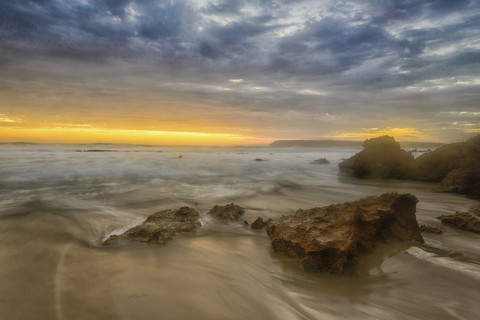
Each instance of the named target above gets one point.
<point>430,229</point>
<point>321,161</point>
<point>162,226</point>
<point>381,158</point>
<point>259,223</point>
<point>334,238</point>
<point>462,220</point>
<point>229,212</point>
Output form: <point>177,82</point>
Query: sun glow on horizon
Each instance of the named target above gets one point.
<point>84,133</point>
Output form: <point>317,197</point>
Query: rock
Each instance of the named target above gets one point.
<point>475,210</point>
<point>455,166</point>
<point>438,164</point>
<point>259,223</point>
<point>229,212</point>
<point>430,229</point>
<point>321,161</point>
<point>162,226</point>
<point>335,237</point>
<point>462,220</point>
<point>464,180</point>
<point>381,158</point>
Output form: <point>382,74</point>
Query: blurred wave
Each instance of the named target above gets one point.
<point>59,202</point>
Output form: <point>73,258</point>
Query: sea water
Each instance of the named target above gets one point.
<point>59,202</point>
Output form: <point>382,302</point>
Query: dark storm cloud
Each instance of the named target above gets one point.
<point>333,44</point>
<point>330,46</point>
<point>394,10</point>
<point>98,28</point>
<point>233,40</point>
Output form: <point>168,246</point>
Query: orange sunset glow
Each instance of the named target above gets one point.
<point>95,135</point>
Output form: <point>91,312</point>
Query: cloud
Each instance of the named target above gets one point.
<point>225,7</point>
<point>358,61</point>
<point>6,119</point>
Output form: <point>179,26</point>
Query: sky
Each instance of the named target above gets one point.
<point>242,72</point>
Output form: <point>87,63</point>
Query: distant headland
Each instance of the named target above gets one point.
<point>343,143</point>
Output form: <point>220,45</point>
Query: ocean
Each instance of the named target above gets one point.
<point>58,203</point>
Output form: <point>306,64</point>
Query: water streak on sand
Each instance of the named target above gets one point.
<point>58,282</point>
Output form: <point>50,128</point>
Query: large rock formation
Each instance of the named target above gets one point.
<point>229,212</point>
<point>334,238</point>
<point>439,163</point>
<point>162,226</point>
<point>455,166</point>
<point>382,158</point>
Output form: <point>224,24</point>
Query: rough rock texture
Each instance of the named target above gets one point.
<point>463,180</point>
<point>334,238</point>
<point>430,229</point>
<point>462,220</point>
<point>229,212</point>
<point>259,223</point>
<point>162,226</point>
<point>382,158</point>
<point>475,210</point>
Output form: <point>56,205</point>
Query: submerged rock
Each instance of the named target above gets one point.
<point>321,161</point>
<point>259,223</point>
<point>229,212</point>
<point>430,229</point>
<point>381,158</point>
<point>335,237</point>
<point>462,220</point>
<point>162,226</point>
